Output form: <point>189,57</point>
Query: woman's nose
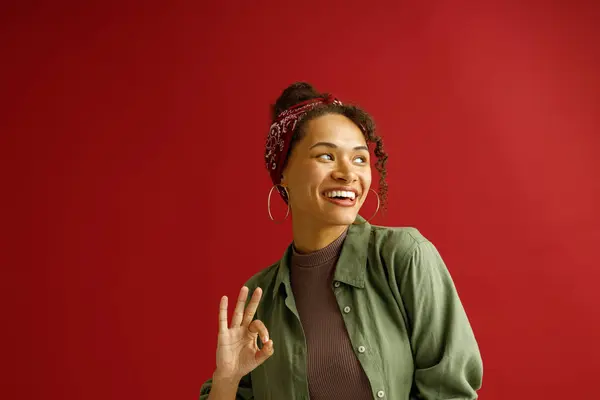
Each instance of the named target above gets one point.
<point>344,174</point>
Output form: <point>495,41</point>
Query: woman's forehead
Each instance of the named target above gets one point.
<point>336,129</point>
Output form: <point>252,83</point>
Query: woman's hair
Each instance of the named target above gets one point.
<point>302,91</point>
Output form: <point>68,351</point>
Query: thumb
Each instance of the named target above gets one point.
<point>263,354</point>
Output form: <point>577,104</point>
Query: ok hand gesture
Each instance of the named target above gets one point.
<point>237,349</point>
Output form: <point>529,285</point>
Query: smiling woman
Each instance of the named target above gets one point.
<point>328,176</point>
<point>357,311</point>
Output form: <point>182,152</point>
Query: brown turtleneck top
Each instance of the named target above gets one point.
<point>334,372</point>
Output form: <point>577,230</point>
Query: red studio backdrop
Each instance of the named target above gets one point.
<point>134,191</point>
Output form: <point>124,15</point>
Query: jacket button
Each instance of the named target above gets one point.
<point>361,349</point>
<point>336,284</point>
<point>346,309</point>
<point>380,394</point>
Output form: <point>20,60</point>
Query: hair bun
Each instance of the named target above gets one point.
<point>295,93</point>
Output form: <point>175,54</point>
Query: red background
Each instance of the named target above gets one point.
<point>134,188</point>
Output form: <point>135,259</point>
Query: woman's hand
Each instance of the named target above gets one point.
<point>237,348</point>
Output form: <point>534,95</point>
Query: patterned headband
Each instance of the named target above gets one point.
<point>281,132</point>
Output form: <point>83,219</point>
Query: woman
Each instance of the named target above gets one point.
<point>352,310</point>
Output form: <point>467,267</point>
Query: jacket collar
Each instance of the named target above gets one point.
<point>350,268</point>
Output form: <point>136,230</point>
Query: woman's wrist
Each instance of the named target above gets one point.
<point>226,379</point>
<point>223,387</point>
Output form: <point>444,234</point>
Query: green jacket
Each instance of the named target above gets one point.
<point>403,314</point>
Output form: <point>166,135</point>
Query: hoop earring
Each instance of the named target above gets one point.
<point>269,203</point>
<point>376,211</point>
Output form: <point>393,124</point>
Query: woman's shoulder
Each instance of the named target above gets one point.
<point>404,236</point>
<point>398,242</point>
<point>407,248</point>
<point>263,278</point>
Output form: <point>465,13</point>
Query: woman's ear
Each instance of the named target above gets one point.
<point>282,181</point>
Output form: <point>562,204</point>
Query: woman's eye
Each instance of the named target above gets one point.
<point>326,157</point>
<point>361,159</point>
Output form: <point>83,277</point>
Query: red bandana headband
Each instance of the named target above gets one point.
<point>281,132</point>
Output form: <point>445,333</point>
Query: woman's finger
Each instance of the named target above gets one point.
<point>238,313</point>
<point>263,354</point>
<point>257,326</point>
<point>252,306</point>
<point>223,315</point>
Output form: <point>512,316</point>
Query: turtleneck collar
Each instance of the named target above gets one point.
<point>321,256</point>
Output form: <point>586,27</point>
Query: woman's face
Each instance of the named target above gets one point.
<point>328,174</point>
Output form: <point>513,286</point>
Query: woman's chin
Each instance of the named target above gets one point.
<point>341,218</point>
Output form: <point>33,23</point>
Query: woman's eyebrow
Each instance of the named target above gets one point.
<point>334,146</point>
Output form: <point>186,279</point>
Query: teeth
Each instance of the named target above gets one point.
<point>341,193</point>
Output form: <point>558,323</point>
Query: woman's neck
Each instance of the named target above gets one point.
<point>309,238</point>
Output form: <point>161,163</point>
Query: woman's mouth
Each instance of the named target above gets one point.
<point>342,198</point>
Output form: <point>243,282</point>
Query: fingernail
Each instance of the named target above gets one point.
<point>265,339</point>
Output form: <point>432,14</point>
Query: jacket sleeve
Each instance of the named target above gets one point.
<point>244,391</point>
<point>448,363</point>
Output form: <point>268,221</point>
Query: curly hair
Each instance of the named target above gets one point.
<point>302,91</point>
